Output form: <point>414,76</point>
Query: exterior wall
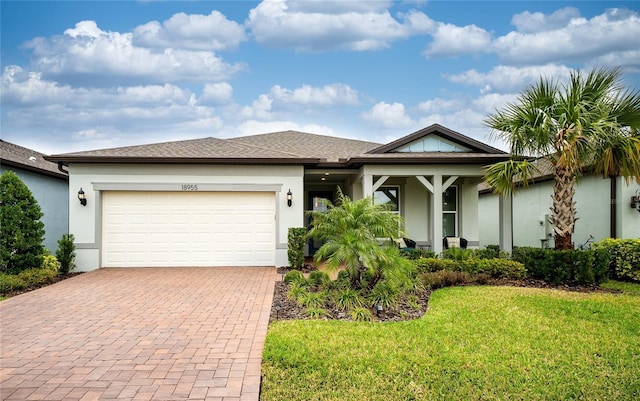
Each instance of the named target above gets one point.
<point>417,204</point>
<point>85,221</point>
<point>468,213</point>
<point>51,194</point>
<point>532,205</point>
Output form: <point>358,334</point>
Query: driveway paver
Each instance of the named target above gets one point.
<point>138,334</point>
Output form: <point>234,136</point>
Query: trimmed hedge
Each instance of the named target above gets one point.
<point>295,247</point>
<point>624,257</point>
<point>416,253</point>
<point>496,268</point>
<point>562,267</point>
<point>26,279</point>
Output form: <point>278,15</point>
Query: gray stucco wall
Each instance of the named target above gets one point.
<point>52,196</point>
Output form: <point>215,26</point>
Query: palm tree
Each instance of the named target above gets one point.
<point>350,231</point>
<point>591,121</point>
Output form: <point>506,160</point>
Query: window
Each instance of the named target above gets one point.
<point>450,212</point>
<point>389,196</point>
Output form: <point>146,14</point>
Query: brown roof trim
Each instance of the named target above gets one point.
<point>444,132</point>
<point>179,160</point>
<point>26,167</point>
<point>484,159</point>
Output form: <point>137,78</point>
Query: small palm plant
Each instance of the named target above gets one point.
<point>351,231</point>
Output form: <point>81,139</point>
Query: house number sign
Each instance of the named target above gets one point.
<point>189,187</point>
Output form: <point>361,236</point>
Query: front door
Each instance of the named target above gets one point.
<point>316,203</point>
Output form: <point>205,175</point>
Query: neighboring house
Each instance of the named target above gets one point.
<point>47,183</point>
<point>224,202</point>
<point>532,209</point>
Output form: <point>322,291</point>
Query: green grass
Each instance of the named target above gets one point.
<point>624,286</point>
<point>474,343</point>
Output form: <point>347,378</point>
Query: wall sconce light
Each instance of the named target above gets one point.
<point>289,197</point>
<point>82,198</point>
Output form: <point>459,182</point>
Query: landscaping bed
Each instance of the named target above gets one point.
<point>58,278</point>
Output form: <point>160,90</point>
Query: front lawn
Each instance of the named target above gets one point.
<point>489,343</point>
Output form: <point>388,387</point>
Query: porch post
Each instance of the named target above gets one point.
<point>367,185</point>
<point>436,208</point>
<point>505,222</point>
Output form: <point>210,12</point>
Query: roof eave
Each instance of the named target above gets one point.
<point>179,160</point>
<point>35,169</point>
<point>485,160</point>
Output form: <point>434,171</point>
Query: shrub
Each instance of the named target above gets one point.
<point>424,265</point>
<point>456,253</point>
<point>295,276</point>
<point>36,277</point>
<point>49,262</point>
<point>624,257</point>
<point>11,282</point>
<point>21,231</point>
<point>416,253</point>
<point>385,294</point>
<point>347,298</point>
<point>296,292</point>
<point>66,253</point>
<point>444,278</point>
<point>560,267</point>
<point>318,278</point>
<point>361,315</point>
<point>496,268</point>
<point>295,247</point>
<point>310,299</point>
<point>490,252</point>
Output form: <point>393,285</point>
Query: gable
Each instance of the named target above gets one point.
<point>431,143</point>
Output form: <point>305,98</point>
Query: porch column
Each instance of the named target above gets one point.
<point>505,222</point>
<point>367,185</point>
<point>437,214</point>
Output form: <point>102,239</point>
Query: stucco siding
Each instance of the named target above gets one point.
<point>51,194</point>
<point>85,221</point>
<point>532,205</point>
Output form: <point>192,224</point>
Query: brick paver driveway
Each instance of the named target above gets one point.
<point>138,334</point>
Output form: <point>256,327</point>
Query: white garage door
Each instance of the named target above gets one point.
<point>188,229</point>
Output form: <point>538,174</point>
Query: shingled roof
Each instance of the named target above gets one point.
<point>28,159</point>
<point>285,147</point>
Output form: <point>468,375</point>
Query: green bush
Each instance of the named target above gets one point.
<point>496,268</point>
<point>295,247</point>
<point>11,282</point>
<point>385,294</point>
<point>361,315</point>
<point>310,299</point>
<point>295,276</point>
<point>21,231</point>
<point>416,253</point>
<point>347,298</point>
<point>624,257</point>
<point>424,265</point>
<point>490,252</point>
<point>316,313</point>
<point>318,278</point>
<point>456,253</point>
<point>49,262</point>
<point>66,253</point>
<point>26,279</point>
<point>561,267</point>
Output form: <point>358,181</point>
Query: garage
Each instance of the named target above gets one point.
<point>162,229</point>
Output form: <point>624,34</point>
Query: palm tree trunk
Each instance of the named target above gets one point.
<point>563,211</point>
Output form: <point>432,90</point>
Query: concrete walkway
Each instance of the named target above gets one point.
<point>138,334</point>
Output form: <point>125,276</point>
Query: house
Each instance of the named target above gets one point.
<point>599,214</point>
<point>230,202</point>
<point>48,184</point>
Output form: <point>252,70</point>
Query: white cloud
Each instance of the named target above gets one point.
<point>191,31</point>
<point>260,108</point>
<point>218,93</point>
<point>388,115</point>
<point>95,57</point>
<point>311,26</point>
<point>327,95</point>
<point>451,41</point>
<point>509,79</point>
<point>439,105</point>
<point>616,30</point>
<point>528,22</point>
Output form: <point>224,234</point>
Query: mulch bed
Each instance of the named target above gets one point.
<point>283,308</point>
<point>55,280</point>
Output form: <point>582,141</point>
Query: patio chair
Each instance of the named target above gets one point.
<point>458,242</point>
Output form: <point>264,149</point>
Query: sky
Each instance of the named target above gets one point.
<point>83,75</point>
